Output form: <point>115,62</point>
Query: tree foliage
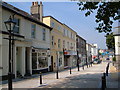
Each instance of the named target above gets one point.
<point>110,42</point>
<point>107,13</point>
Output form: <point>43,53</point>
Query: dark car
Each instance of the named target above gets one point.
<point>96,61</point>
<point>107,58</point>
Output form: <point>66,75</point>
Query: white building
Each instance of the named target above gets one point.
<point>89,55</point>
<point>32,44</point>
<point>94,51</point>
<point>117,45</point>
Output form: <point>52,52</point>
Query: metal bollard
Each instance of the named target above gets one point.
<point>70,71</point>
<point>57,74</point>
<point>40,77</point>
<point>83,67</point>
<point>87,65</point>
<point>78,68</point>
<point>103,83</point>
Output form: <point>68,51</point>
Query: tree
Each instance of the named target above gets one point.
<point>107,13</point>
<point>110,42</point>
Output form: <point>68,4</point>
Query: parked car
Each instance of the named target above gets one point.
<point>107,58</point>
<point>96,61</point>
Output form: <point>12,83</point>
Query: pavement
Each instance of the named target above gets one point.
<point>88,78</point>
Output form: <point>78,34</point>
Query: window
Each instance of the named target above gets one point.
<point>64,32</point>
<point>52,40</point>
<point>17,26</point>
<point>58,43</point>
<point>68,45</point>
<point>71,35</point>
<point>63,43</point>
<point>44,34</point>
<point>52,24</point>
<point>33,29</point>
<point>59,27</point>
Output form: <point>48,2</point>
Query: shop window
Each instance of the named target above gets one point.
<point>60,60</point>
<point>34,60</point>
<point>42,62</point>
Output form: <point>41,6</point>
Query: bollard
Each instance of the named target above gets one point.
<point>70,71</point>
<point>40,78</point>
<point>87,65</point>
<point>78,68</point>
<point>57,75</point>
<point>83,67</point>
<point>103,83</point>
<point>107,69</point>
<point>91,64</point>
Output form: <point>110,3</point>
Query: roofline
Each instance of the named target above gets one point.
<point>80,37</point>
<point>53,18</point>
<point>70,28</point>
<point>25,16</point>
<point>59,22</point>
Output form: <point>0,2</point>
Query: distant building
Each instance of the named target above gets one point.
<point>89,54</point>
<point>94,51</point>
<point>81,48</point>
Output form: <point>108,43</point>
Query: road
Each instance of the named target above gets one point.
<point>87,78</point>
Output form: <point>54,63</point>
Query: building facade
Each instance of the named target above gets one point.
<point>81,49</point>
<point>89,55</point>
<point>57,56</point>
<point>117,46</point>
<point>31,45</point>
<point>69,47</point>
<point>94,51</point>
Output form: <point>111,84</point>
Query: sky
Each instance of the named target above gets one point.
<point>69,14</point>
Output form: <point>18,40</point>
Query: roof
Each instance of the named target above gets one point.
<point>53,18</point>
<point>70,28</point>
<point>80,37</point>
<point>23,14</point>
<point>58,22</point>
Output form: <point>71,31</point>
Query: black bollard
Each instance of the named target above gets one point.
<point>40,78</point>
<point>83,67</point>
<point>107,69</point>
<point>87,65</point>
<point>57,75</point>
<point>78,68</point>
<point>103,83</point>
<point>70,71</point>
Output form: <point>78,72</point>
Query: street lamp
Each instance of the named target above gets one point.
<point>10,24</point>
<point>78,59</point>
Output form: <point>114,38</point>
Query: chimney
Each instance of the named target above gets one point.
<point>37,10</point>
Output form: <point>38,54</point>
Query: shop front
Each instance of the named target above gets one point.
<point>70,58</point>
<point>40,60</point>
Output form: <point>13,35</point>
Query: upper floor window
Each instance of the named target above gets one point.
<point>63,43</point>
<point>17,26</point>
<point>64,32</point>
<point>44,34</point>
<point>58,43</point>
<point>52,24</point>
<point>52,40</point>
<point>68,45</point>
<point>59,27</point>
<point>33,30</point>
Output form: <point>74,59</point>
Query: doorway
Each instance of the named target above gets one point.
<point>52,63</point>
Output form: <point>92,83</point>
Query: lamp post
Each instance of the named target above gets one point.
<point>10,24</point>
<point>78,59</point>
